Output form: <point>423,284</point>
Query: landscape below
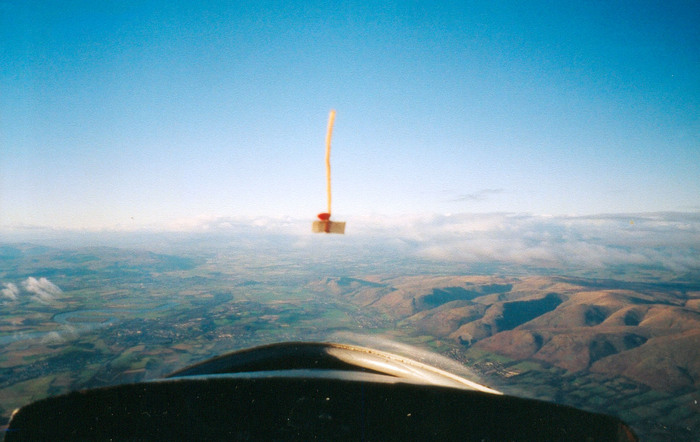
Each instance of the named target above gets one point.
<point>73,318</point>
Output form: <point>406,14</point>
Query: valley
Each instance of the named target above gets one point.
<point>89,317</point>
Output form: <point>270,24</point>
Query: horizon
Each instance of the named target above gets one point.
<point>655,246</point>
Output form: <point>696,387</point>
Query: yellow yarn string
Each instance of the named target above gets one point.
<point>331,118</point>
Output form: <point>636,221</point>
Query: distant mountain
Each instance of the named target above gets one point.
<point>18,250</point>
<point>646,332</point>
<point>21,260</point>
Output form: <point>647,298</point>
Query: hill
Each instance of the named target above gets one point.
<point>643,331</point>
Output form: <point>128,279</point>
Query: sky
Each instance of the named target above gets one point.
<point>148,114</point>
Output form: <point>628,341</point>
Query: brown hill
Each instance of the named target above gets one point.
<point>668,363</point>
<point>646,332</point>
<point>360,291</point>
<point>443,320</point>
<point>506,315</point>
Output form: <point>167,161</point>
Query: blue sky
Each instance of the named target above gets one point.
<point>128,114</point>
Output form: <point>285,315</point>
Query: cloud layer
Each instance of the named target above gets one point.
<point>668,240</point>
<point>651,241</point>
<point>608,245</point>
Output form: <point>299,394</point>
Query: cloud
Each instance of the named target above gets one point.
<point>606,243</point>
<point>668,241</point>
<point>225,224</point>
<point>479,195</point>
<point>52,337</point>
<point>67,332</point>
<point>10,291</point>
<point>44,290</point>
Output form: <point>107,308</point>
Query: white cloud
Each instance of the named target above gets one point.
<point>669,241</point>
<point>665,240</point>
<point>224,224</point>
<point>67,332</point>
<point>10,291</point>
<point>44,290</point>
<point>479,195</point>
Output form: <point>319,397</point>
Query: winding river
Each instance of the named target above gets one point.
<point>76,322</point>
